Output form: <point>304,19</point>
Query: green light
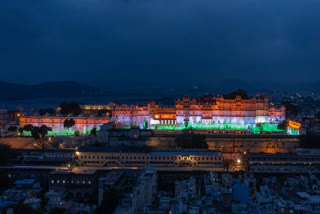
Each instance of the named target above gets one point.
<point>236,127</point>
<point>64,132</point>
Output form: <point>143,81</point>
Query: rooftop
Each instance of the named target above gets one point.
<point>25,181</point>
<point>145,149</point>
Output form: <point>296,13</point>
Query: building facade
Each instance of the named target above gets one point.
<point>9,118</point>
<point>82,124</point>
<point>143,156</point>
<point>88,109</point>
<point>214,113</point>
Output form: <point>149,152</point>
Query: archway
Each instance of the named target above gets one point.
<point>185,163</point>
<point>109,163</point>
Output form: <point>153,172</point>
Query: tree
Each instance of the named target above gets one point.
<point>28,128</point>
<point>103,112</point>
<point>110,201</point>
<point>48,110</point>
<point>12,129</point>
<point>70,108</point>
<point>93,132</point>
<point>189,140</point>
<point>283,125</point>
<point>68,123</point>
<point>39,133</point>
<point>21,130</point>
<point>291,110</point>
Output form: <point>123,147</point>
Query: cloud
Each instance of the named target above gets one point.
<point>178,42</point>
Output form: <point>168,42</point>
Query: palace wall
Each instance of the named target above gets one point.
<point>237,145</point>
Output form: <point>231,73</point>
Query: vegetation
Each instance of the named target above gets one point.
<point>291,110</point>
<point>39,133</point>
<point>68,123</point>
<point>283,125</point>
<point>70,108</point>
<point>50,111</point>
<point>28,128</point>
<point>21,130</point>
<point>76,133</point>
<point>104,111</point>
<point>189,140</point>
<point>110,201</point>
<point>94,132</point>
<point>12,129</point>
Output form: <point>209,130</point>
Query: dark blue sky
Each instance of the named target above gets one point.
<point>191,42</point>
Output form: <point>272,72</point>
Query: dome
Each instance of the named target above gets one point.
<point>19,108</point>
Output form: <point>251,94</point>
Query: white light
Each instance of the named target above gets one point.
<point>238,160</point>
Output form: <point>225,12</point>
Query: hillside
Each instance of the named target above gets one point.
<point>12,91</point>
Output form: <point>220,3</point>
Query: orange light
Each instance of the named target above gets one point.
<point>18,115</point>
<point>294,125</point>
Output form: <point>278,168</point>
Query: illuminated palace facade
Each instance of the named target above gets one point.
<point>213,113</point>
<point>82,124</point>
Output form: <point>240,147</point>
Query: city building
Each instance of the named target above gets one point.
<point>88,109</point>
<point>82,124</point>
<point>24,189</point>
<point>9,118</point>
<point>141,191</point>
<point>45,156</point>
<point>293,127</point>
<point>264,158</point>
<point>145,156</point>
<point>210,113</point>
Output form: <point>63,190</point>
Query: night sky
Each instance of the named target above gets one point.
<point>167,42</point>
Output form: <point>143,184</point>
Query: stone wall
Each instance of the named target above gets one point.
<point>263,144</point>
<point>67,141</point>
<point>161,142</point>
<point>18,143</point>
<point>237,144</point>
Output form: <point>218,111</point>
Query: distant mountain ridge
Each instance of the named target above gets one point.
<point>13,91</point>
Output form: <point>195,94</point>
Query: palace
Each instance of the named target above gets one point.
<point>82,124</point>
<point>213,113</point>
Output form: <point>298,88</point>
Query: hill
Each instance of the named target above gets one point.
<point>12,91</point>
